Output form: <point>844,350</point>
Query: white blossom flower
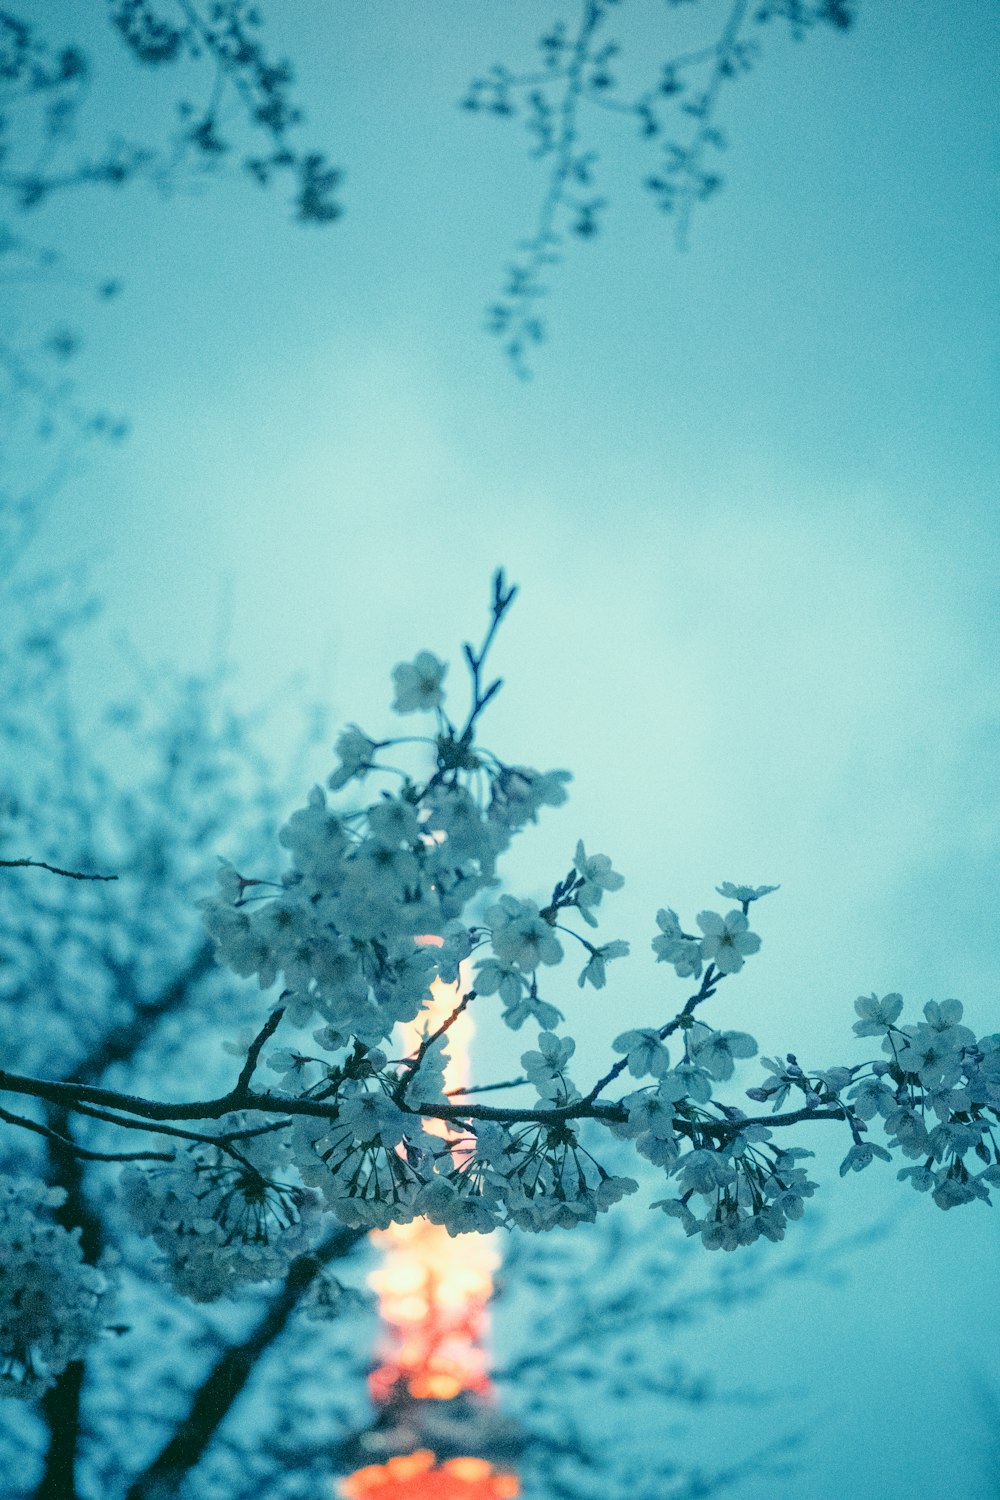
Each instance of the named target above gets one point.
<point>871,1097</point>
<point>518,793</point>
<point>704,1171</point>
<point>921,1178</point>
<point>594,970</point>
<point>231,882</point>
<point>418,684</point>
<point>744,892</point>
<point>240,942</point>
<point>494,977</point>
<point>677,1209</point>
<point>645,1052</point>
<point>861,1155</point>
<point>521,936</point>
<point>906,1129</point>
<point>674,947</point>
<point>715,1050</point>
<point>373,1116</point>
<point>546,1067</point>
<point>598,877</point>
<point>366,1184</point>
<point>298,1073</point>
<point>354,750</point>
<point>877,1016</point>
<point>532,1007</point>
<point>317,839</point>
<point>393,821</point>
<point>460,1208</point>
<point>952,1191</point>
<point>222,1221</point>
<point>727,940</point>
<point>694,1080</point>
<point>934,1055</point>
<point>453,952</point>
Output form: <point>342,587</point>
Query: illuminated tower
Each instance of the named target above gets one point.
<point>438,1434</point>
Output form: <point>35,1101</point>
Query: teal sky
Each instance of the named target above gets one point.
<point>750,498</point>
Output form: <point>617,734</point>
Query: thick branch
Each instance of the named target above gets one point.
<point>253,1052</point>
<point>228,1378</point>
<point>71,1095</point>
<point>60,1404</point>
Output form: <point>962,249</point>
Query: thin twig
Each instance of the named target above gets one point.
<point>40,864</point>
<point>224,1139</point>
<point>253,1052</point>
<point>486,1088</point>
<point>68,1145</point>
<point>705,991</point>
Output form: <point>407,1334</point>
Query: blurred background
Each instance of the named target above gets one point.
<point>746,486</point>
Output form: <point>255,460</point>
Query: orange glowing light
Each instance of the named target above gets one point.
<point>416,1476</point>
<point>433,1287</point>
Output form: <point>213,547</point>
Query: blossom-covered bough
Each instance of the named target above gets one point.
<point>388,893</point>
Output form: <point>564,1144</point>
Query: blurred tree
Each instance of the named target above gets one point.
<point>231,104</point>
<point>215,99</point>
<point>672,101</point>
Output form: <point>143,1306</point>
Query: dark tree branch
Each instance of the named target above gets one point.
<point>230,1375</point>
<point>60,1404</point>
<point>69,1096</point>
<point>39,864</point>
<point>579,71</point>
<point>253,1053</point>
<point>81,1151</point>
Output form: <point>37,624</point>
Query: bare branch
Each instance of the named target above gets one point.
<point>253,1052</point>
<point>40,864</point>
<point>82,1151</point>
<point>230,1375</point>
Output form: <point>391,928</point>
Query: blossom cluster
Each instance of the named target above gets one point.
<point>423,854</point>
<point>394,889</point>
<point>365,884</point>
<point>221,1215</point>
<point>52,1304</point>
<point>375,908</point>
<point>936,1094</point>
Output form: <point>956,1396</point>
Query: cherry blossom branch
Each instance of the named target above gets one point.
<point>517,317</point>
<point>503,598</point>
<point>578,71</point>
<point>413,1063</point>
<point>73,1096</point>
<point>706,990</point>
<point>224,1139</point>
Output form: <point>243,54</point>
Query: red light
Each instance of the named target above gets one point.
<point>416,1476</point>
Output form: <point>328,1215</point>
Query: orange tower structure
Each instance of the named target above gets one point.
<point>438,1431</point>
